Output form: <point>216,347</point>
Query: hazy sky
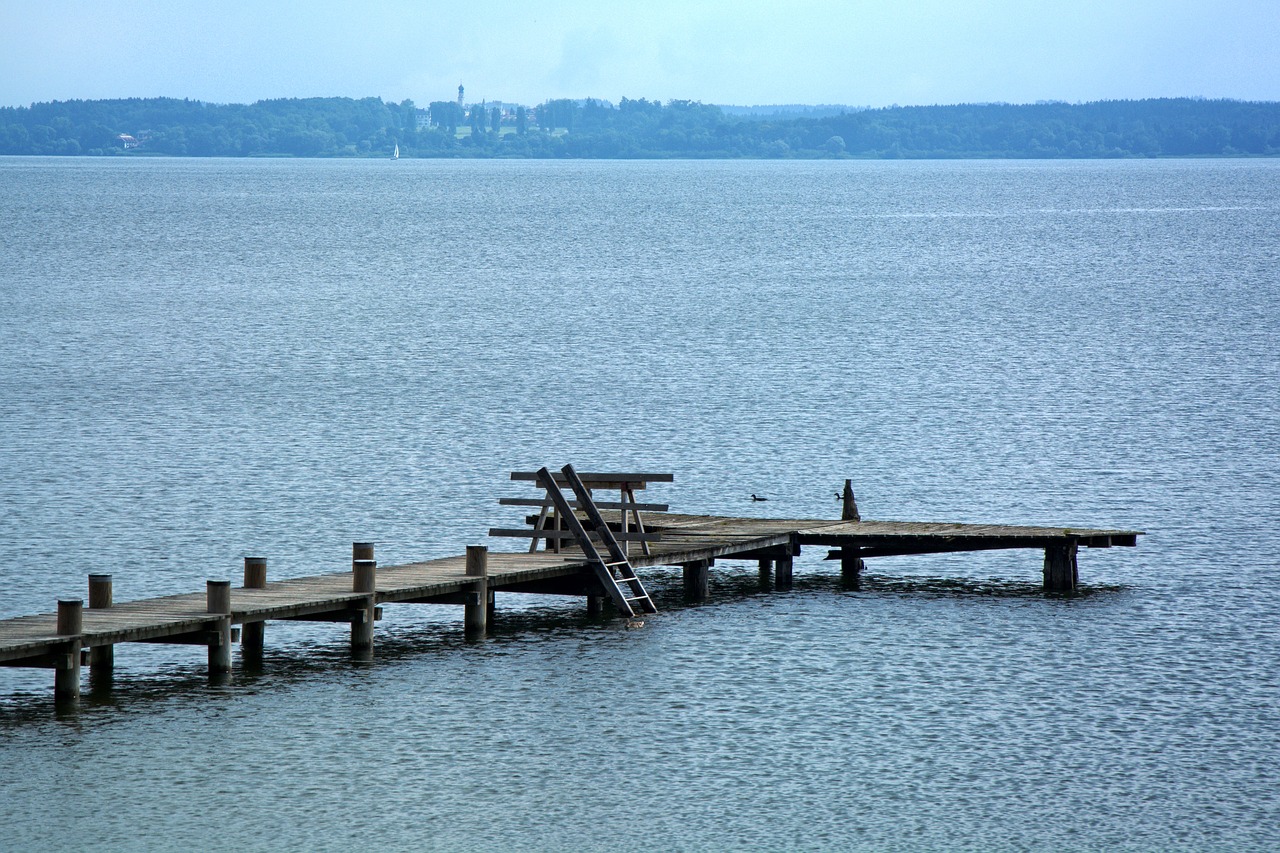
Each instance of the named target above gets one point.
<point>860,52</point>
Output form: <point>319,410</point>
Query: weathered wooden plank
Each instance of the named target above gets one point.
<point>600,479</point>
<point>546,533</point>
<point>622,505</point>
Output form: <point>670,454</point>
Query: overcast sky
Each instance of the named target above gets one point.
<point>858,52</point>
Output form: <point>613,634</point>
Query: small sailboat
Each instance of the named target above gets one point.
<point>395,155</point>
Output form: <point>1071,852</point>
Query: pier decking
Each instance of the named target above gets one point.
<point>60,640</point>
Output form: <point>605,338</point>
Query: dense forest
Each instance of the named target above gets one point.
<point>345,127</point>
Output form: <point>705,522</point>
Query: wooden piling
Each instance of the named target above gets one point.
<point>1060,571</point>
<point>851,566</point>
<point>66,665</point>
<point>101,658</point>
<point>475,613</point>
<point>849,508</point>
<point>364,580</point>
<point>594,605</point>
<point>766,573</point>
<point>218,600</point>
<point>253,634</point>
<point>697,585</point>
<point>782,573</point>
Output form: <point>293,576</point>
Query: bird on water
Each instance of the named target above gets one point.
<point>756,497</point>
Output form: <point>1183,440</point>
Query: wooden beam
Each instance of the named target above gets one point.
<point>597,479</point>
<point>547,533</point>
<point>356,614</point>
<point>577,584</point>
<point>625,505</point>
<point>211,636</point>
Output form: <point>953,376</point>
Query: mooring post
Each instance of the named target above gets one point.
<point>217,596</point>
<point>475,613</point>
<point>782,573</point>
<point>851,564</point>
<point>849,508</point>
<point>66,666</point>
<point>101,658</point>
<point>364,570</point>
<point>253,634</point>
<point>697,585</point>
<point>1060,571</point>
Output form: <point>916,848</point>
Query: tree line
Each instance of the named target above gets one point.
<point>639,128</point>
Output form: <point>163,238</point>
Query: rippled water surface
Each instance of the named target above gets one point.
<point>201,360</point>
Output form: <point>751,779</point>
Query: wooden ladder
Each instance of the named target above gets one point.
<point>616,570</point>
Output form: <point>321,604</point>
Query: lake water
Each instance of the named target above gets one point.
<point>203,359</point>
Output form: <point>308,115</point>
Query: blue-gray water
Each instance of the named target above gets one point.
<point>201,360</point>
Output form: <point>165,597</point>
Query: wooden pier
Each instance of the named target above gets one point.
<point>575,550</point>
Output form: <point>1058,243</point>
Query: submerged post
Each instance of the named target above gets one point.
<point>363,579</point>
<point>101,658</point>
<point>217,598</point>
<point>697,585</point>
<point>782,573</point>
<point>475,613</point>
<point>253,634</point>
<point>1060,571</point>
<point>66,666</point>
<point>851,565</point>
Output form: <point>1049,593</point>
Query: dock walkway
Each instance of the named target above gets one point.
<point>74,633</point>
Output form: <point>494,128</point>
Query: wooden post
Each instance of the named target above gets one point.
<point>217,596</point>
<point>623,523</point>
<point>252,634</point>
<point>476,612</point>
<point>364,578</point>
<point>66,667</point>
<point>766,574</point>
<point>851,566</point>
<point>849,510</point>
<point>593,605</point>
<point>697,585</point>
<point>101,658</point>
<point>1060,571</point>
<point>782,573</point>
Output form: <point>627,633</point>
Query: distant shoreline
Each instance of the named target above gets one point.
<point>329,128</point>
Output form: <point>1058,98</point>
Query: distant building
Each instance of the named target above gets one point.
<point>128,141</point>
